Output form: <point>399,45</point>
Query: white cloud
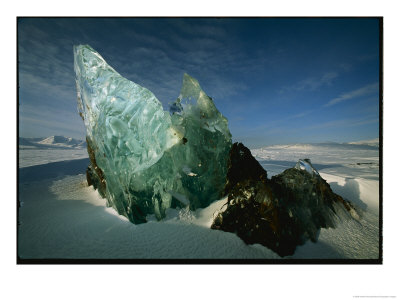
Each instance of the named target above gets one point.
<point>311,83</point>
<point>365,90</point>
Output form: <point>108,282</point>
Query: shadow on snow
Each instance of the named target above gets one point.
<point>53,170</point>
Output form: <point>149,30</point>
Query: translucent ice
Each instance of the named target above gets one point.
<point>305,164</point>
<point>144,159</point>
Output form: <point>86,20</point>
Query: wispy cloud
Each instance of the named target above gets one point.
<point>49,120</point>
<point>311,83</point>
<point>45,68</point>
<point>365,90</point>
<point>300,114</point>
<point>343,123</point>
<point>159,65</point>
<point>279,127</point>
<point>367,57</point>
<point>346,67</point>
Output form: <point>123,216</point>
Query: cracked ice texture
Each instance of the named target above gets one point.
<point>149,159</point>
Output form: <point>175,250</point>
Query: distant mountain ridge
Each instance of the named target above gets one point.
<point>362,145</point>
<point>59,141</point>
<point>373,142</point>
<point>55,141</point>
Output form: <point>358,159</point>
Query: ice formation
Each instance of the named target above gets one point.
<point>144,159</point>
<point>305,164</point>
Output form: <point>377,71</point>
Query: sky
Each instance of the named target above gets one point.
<point>277,80</point>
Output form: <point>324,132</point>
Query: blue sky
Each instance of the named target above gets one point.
<point>277,80</point>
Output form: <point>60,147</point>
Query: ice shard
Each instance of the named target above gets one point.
<point>305,164</point>
<point>144,159</point>
<point>206,143</point>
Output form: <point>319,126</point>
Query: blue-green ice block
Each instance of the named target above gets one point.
<point>150,159</point>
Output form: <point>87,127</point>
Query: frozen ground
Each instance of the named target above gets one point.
<point>37,156</point>
<point>61,217</point>
<point>348,160</point>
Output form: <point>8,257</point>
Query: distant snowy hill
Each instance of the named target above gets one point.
<point>374,142</point>
<point>55,141</point>
<point>58,140</point>
<point>28,141</point>
<point>39,151</point>
<point>362,145</point>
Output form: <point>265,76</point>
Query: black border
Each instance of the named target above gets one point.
<point>63,261</point>
<point>380,137</point>
<point>216,261</point>
<point>17,143</point>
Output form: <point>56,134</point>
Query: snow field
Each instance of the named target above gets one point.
<point>61,217</point>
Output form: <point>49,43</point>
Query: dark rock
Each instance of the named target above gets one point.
<point>89,176</point>
<point>280,213</point>
<point>242,166</point>
<point>94,175</point>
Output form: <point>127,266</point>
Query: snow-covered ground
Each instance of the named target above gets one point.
<point>61,217</point>
<point>348,160</point>
<point>32,157</point>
